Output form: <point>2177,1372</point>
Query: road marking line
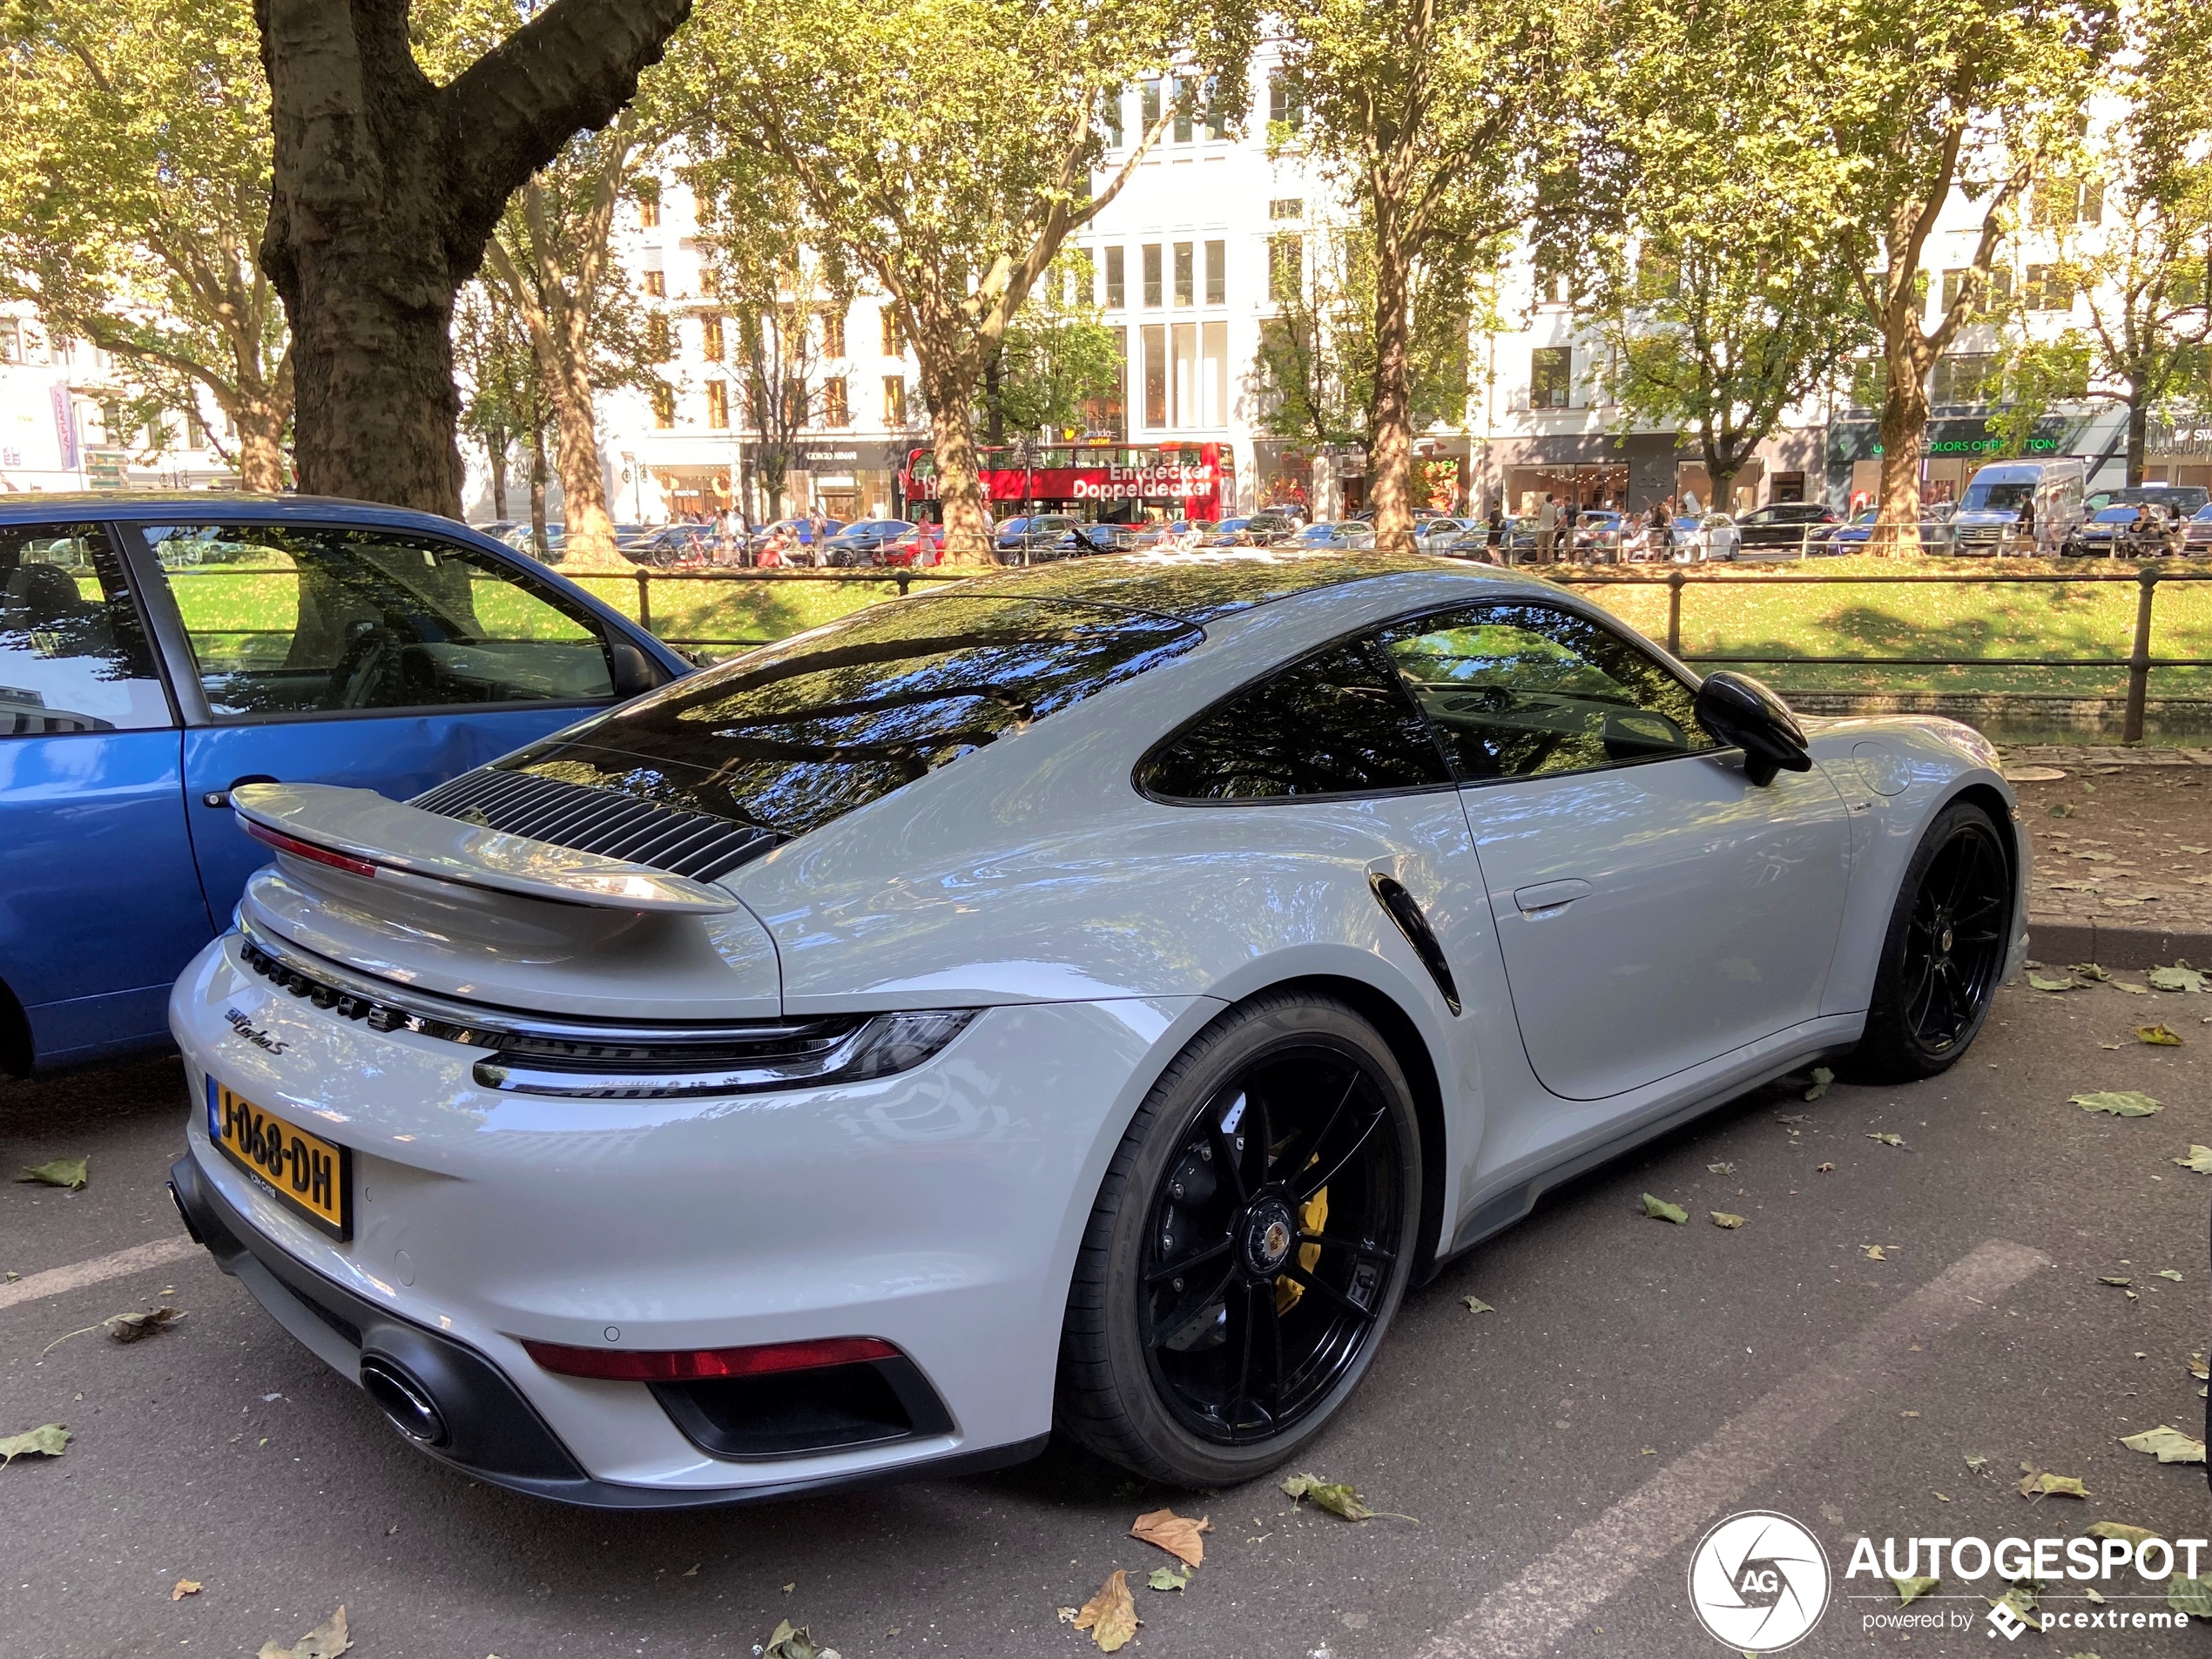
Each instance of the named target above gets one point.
<point>1541,1608</point>
<point>137,1259</point>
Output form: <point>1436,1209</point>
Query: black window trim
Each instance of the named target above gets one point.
<point>142,602</point>
<point>180,664</point>
<point>1373,631</point>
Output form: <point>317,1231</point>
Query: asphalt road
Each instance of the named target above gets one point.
<point>1561,1455</point>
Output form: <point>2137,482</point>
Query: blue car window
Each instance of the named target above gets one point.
<point>73,654</point>
<point>300,620</point>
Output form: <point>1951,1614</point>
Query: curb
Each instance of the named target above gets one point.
<point>2111,945</point>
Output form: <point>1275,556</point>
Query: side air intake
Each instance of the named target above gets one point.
<point>598,820</point>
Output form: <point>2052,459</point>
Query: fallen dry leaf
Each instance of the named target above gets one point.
<point>2166,1445</point>
<point>1177,1535</point>
<point>133,1327</point>
<point>185,1586</point>
<point>1168,1578</point>
<point>1910,1590</point>
<point>1660,1210</point>
<point>1824,1169</point>
<point>795,1641</point>
<point>1722,1218</point>
<point>2120,1529</point>
<point>1110,1616</point>
<point>2125,1103</point>
<point>1720,1169</point>
<point>1339,1500</point>
<point>2200,1159</point>
<point>1886,1140</point>
<point>68,1173</point>
<point>1821,1078</point>
<point>2158,1036</point>
<point>326,1641</point>
<point>1875,1252</point>
<point>47,1439</point>
<point>1476,1305</point>
<point>2035,1484</point>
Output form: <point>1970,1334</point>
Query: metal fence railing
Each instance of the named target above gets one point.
<point>2139,662</point>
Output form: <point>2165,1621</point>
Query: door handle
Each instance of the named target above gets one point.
<point>220,799</point>
<point>1550,895</point>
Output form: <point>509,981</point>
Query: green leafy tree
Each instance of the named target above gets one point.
<point>1974,97</point>
<point>947,149</point>
<point>500,404</point>
<point>2131,242</point>
<point>1056,360</point>
<point>1432,117</point>
<point>1315,370</point>
<point>134,187</point>
<point>1721,285</point>
<point>389,179</point>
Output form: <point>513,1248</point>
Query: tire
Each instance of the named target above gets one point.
<point>1944,954</point>
<point>1172,1382</point>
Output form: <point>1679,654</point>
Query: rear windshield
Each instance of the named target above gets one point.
<point>796,734</point>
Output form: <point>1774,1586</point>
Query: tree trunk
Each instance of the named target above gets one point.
<point>994,415</point>
<point>496,463</point>
<point>386,187</point>
<point>537,493</point>
<point>947,387</point>
<point>2138,434</point>
<point>563,359</point>
<point>1390,442</point>
<point>1904,429</point>
<point>260,447</point>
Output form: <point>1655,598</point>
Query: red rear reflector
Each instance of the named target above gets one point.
<point>313,854</point>
<point>702,1365</point>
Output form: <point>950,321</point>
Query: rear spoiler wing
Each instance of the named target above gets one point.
<point>367,834</point>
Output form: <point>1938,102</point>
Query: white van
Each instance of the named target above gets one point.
<point>1990,512</point>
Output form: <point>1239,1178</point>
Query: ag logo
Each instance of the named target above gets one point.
<point>1758,1582</point>
<point>2009,1624</point>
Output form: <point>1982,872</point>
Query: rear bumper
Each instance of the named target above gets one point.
<point>494,1433</point>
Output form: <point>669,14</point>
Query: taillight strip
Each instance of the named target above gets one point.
<point>707,1365</point>
<point>306,850</point>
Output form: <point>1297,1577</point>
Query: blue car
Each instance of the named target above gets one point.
<point>157,650</point>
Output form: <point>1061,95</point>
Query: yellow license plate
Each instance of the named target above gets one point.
<point>314,1175</point>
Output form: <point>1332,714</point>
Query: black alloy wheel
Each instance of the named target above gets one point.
<point>1945,952</point>
<point>1250,1246</point>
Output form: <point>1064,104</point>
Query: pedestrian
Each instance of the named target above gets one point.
<point>1547,529</point>
<point>2027,525</point>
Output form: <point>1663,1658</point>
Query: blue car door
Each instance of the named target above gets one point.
<point>359,656</point>
<point>99,907</point>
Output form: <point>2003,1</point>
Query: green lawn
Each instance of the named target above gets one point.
<point>1738,611</point>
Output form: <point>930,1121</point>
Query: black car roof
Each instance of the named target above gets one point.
<point>1196,587</point>
<point>141,505</point>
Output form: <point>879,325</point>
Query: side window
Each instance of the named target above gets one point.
<point>1339,723</point>
<point>300,620</point>
<point>73,653</point>
<point>1518,690</point>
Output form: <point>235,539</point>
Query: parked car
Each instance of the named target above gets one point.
<point>846,1093</point>
<point>1018,537</point>
<point>919,547</point>
<point>189,643</point>
<point>1344,533</point>
<point>1989,517</point>
<point>2141,531</point>
<point>2180,501</point>
<point>800,529</point>
<point>863,543</point>
<point>1270,526</point>
<point>2196,534</point>
<point>1598,532</point>
<point>1786,527</point>
<point>1438,535</point>
<point>522,539</point>
<point>1852,538</point>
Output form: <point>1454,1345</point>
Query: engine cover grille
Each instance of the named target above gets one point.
<point>598,820</point>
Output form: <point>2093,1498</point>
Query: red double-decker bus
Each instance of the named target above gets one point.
<point>1115,482</point>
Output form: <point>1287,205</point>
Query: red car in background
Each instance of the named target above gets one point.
<point>919,548</point>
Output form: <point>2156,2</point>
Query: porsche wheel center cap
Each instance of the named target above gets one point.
<point>1267,1236</point>
<point>1946,942</point>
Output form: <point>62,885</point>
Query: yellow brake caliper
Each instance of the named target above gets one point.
<point>1313,1218</point>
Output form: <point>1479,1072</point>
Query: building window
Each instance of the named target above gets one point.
<point>1997,295</point>
<point>1182,113</point>
<point>717,405</point>
<point>1284,108</point>
<point>895,344</point>
<point>1156,375</point>
<point>1285,268</point>
<point>1286,207</point>
<point>835,410</point>
<point>10,340</point>
<point>711,338</point>
<point>663,407</point>
<point>1117,280</point>
<point>660,339</point>
<point>2061,200</point>
<point>648,211</point>
<point>657,284</point>
<point>834,335</point>
<point>1149,102</point>
<point>1186,279</point>
<point>2047,289</point>
<point>1216,273</point>
<point>894,400</point>
<point>1152,274</point>
<point>1216,117</point>
<point>1551,377</point>
<point>195,430</point>
<point>1554,284</point>
<point>1110,111</point>
<point>1963,377</point>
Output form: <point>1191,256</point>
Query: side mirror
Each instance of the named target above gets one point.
<point>1746,715</point>
<point>631,672</point>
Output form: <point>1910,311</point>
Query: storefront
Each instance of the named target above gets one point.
<point>2178,455</point>
<point>1953,452</point>
<point>1590,470</point>
<point>848,480</point>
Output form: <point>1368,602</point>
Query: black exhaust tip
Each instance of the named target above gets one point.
<point>192,1227</point>
<point>406,1401</point>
